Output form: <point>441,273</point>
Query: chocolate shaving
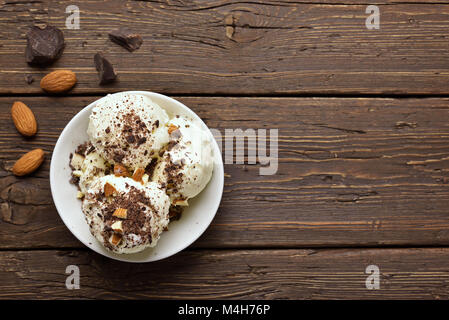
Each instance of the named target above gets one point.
<point>131,139</point>
<point>82,148</point>
<point>149,170</point>
<point>135,202</point>
<point>118,157</point>
<point>141,141</point>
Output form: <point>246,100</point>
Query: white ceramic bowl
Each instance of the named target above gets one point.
<point>195,218</point>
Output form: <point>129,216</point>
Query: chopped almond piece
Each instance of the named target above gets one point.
<point>117,226</point>
<point>120,213</point>
<point>172,128</point>
<point>109,189</point>
<point>77,161</point>
<point>138,174</point>
<point>120,171</point>
<point>115,239</point>
<point>180,202</point>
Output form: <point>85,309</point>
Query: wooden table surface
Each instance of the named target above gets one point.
<point>363,120</point>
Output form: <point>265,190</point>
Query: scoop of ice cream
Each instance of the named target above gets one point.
<point>128,129</point>
<point>186,165</point>
<point>125,215</point>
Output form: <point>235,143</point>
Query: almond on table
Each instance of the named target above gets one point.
<point>28,163</point>
<point>58,81</point>
<point>24,119</point>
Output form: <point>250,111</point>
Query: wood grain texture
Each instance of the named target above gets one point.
<point>352,172</point>
<point>235,274</point>
<point>240,47</point>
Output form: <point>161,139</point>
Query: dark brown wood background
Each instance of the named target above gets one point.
<point>363,119</point>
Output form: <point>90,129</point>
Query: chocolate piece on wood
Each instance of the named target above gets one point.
<point>104,68</point>
<point>29,79</point>
<point>44,46</point>
<point>126,38</point>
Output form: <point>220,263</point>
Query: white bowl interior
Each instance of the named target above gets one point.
<point>195,218</point>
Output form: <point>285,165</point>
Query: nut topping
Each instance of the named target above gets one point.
<point>120,213</point>
<point>24,119</point>
<point>117,226</point>
<point>172,128</point>
<point>138,174</point>
<point>109,189</point>
<point>120,171</point>
<point>115,239</point>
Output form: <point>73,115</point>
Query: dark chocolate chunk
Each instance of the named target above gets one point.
<point>104,68</point>
<point>44,46</point>
<point>126,38</point>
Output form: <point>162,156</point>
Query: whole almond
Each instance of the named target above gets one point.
<point>28,162</point>
<point>58,81</point>
<point>24,119</point>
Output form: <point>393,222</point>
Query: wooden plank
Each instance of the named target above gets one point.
<point>235,274</point>
<point>250,48</point>
<point>352,172</point>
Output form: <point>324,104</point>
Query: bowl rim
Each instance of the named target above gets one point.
<point>113,255</point>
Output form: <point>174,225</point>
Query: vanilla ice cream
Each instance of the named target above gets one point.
<point>128,129</point>
<point>125,215</point>
<point>158,164</point>
<point>186,164</point>
<point>87,168</point>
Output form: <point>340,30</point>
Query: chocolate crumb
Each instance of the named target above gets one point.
<point>118,157</point>
<point>175,212</point>
<point>29,79</point>
<point>131,139</point>
<point>141,141</point>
